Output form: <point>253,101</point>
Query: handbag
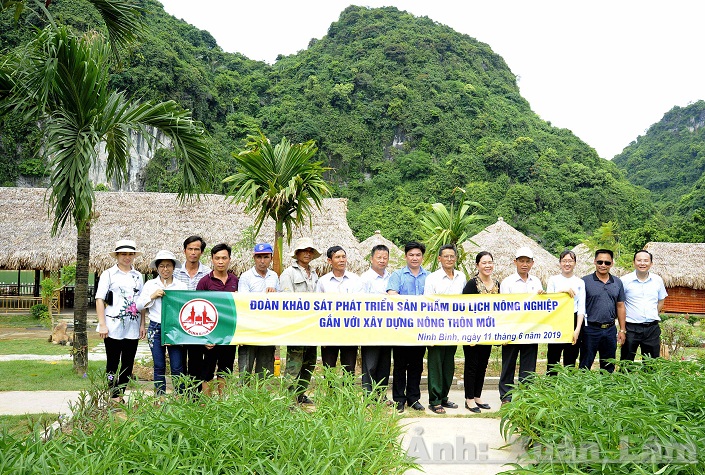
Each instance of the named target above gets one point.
<point>109,296</point>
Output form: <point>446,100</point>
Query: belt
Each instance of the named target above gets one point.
<point>647,324</point>
<point>600,325</point>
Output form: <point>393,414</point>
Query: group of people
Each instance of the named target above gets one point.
<point>124,306</point>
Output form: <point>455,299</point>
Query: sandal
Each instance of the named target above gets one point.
<point>449,404</point>
<point>437,409</point>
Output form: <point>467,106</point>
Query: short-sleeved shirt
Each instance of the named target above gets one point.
<point>210,282</point>
<point>154,307</point>
<point>251,282</point>
<point>601,298</point>
<point>558,283</point>
<point>349,283</point>
<point>122,317</point>
<point>514,284</point>
<point>406,283</point>
<point>375,283</point>
<point>438,283</point>
<point>182,275</point>
<point>641,298</point>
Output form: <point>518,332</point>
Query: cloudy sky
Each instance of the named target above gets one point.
<point>605,69</point>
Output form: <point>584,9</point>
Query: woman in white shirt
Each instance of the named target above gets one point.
<point>574,286</point>
<point>120,324</point>
<point>151,299</point>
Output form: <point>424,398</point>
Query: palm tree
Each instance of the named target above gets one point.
<point>281,182</point>
<point>60,81</point>
<point>441,226</point>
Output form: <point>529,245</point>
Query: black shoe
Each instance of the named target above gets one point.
<point>305,400</point>
<point>400,407</point>
<point>482,405</point>
<point>449,404</point>
<point>417,406</point>
<point>476,409</point>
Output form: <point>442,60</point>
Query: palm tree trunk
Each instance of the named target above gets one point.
<point>80,342</point>
<point>278,247</point>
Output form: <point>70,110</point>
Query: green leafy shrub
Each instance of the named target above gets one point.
<point>254,427</point>
<point>40,311</point>
<point>676,334</point>
<point>645,418</point>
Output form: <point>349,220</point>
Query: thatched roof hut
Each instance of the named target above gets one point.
<point>502,240</point>
<point>155,221</point>
<point>396,255</point>
<point>679,264</point>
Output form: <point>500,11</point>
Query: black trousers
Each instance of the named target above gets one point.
<point>348,357</point>
<point>119,354</point>
<point>569,352</point>
<point>646,337</point>
<point>527,354</point>
<point>376,365</point>
<point>408,366</point>
<point>476,359</point>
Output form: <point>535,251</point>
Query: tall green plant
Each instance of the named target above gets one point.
<point>61,82</point>
<point>280,182</point>
<point>441,226</point>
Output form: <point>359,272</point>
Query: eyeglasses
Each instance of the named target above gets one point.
<point>603,263</point>
<point>166,266</point>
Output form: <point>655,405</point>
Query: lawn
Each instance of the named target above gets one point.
<point>44,375</point>
<point>23,425</point>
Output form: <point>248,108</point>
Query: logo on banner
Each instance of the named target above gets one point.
<point>198,317</point>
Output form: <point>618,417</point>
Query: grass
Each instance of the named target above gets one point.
<point>36,346</point>
<point>43,375</point>
<point>643,418</point>
<point>20,426</point>
<point>252,428</point>
<point>19,320</point>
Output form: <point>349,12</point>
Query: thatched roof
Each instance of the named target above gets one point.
<point>679,264</point>
<point>155,221</point>
<point>396,255</point>
<point>502,240</point>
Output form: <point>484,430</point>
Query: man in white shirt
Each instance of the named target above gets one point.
<point>520,282</point>
<point>340,281</point>
<point>441,359</point>
<point>644,294</point>
<point>259,279</point>
<point>377,360</point>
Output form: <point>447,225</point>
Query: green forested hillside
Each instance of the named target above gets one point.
<point>403,109</point>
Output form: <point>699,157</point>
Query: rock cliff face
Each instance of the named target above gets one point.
<point>141,153</point>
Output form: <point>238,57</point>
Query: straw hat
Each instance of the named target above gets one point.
<point>125,245</point>
<point>165,255</point>
<point>305,243</point>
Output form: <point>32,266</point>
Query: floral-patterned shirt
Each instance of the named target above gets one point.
<point>122,317</point>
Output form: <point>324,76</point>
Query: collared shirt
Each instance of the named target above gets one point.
<point>601,298</point>
<point>349,283</point>
<point>154,307</point>
<point>122,317</point>
<point>514,284</point>
<point>211,282</point>
<point>375,283</point>
<point>251,282</point>
<point>438,283</point>
<point>642,298</point>
<point>296,279</point>
<point>558,283</point>
<point>406,283</point>
<point>182,275</point>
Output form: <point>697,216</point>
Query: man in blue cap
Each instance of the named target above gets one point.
<point>259,279</point>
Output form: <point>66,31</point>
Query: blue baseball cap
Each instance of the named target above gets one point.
<point>264,248</point>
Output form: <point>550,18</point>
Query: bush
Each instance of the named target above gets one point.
<point>253,428</point>
<point>645,418</point>
<point>40,311</point>
<point>676,334</point>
